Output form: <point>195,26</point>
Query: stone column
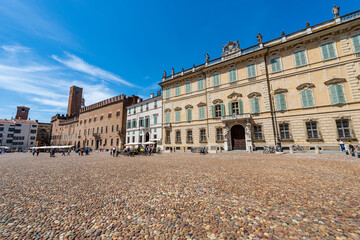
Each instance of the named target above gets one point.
<point>248,139</point>
<point>226,137</point>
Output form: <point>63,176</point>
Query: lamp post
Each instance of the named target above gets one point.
<point>278,142</point>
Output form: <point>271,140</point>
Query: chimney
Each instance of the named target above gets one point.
<point>151,95</point>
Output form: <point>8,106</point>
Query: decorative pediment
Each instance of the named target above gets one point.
<point>304,86</point>
<point>234,96</point>
<point>177,108</point>
<point>217,101</point>
<point>231,47</point>
<point>280,90</point>
<point>167,110</point>
<point>334,81</point>
<point>201,104</point>
<point>254,94</point>
<point>188,106</point>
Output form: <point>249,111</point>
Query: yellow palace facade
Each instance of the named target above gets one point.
<point>303,87</point>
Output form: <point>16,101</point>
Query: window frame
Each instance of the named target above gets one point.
<point>274,64</point>
<point>251,70</point>
<point>322,52</point>
<point>305,58</point>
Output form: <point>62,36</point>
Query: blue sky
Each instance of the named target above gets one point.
<point>123,47</point>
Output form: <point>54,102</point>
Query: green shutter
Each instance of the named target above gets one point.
<point>309,98</point>
<point>252,103</point>
<point>222,110</point>
<point>304,99</point>
<point>200,84</point>
<point>328,51</point>
<point>333,94</point>
<point>356,42</point>
<point>189,114</point>
<point>325,52</point>
<point>302,58</point>
<point>241,107</point>
<point>155,119</point>
<point>201,113</point>
<point>257,107</point>
<point>331,50</point>
<point>213,111</point>
<point>340,93</point>
<point>277,101</point>
<point>229,108</point>
<point>297,59</point>
<point>282,100</point>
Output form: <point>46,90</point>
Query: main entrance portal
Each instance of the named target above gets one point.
<point>238,138</point>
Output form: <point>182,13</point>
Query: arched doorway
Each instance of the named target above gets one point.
<point>147,137</point>
<point>238,138</point>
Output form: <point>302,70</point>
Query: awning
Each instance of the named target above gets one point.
<point>2,147</point>
<point>147,143</point>
<point>50,147</point>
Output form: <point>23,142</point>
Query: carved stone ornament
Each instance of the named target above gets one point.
<point>177,108</point>
<point>188,106</point>
<point>234,96</point>
<point>167,110</point>
<point>304,86</point>
<point>280,90</point>
<point>217,101</point>
<point>201,104</point>
<point>334,81</point>
<point>231,47</point>
<point>254,94</point>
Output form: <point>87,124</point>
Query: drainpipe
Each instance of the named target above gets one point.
<point>269,94</point>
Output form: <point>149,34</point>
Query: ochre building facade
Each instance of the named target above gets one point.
<point>303,87</point>
<point>98,126</point>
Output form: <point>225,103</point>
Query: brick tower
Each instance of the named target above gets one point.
<point>22,113</point>
<point>75,100</point>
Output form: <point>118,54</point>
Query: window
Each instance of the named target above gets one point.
<point>118,115</point>
<point>128,139</point>
<point>101,118</point>
<point>167,93</point>
<point>134,123</point>
<point>188,87</point>
<point>219,135</point>
<point>112,128</point>
<point>141,108</point>
<point>275,64</point>
<point>33,131</point>
<point>167,117</point>
<point>133,139</point>
<point>155,136</point>
<point>1,128</point>
<point>200,84</point>
<point>284,131</point>
<point>280,102</point>
<point>343,128</point>
<point>307,98</point>
<point>300,58</point>
<point>235,108</point>
<point>218,110</point>
<point>102,129</point>
<point>155,119</point>
<point>328,51</point>
<point>141,122</point>
<point>177,90</point>
<point>255,108</point>
<point>216,79</point>
<point>356,43</point>
<point>129,111</point>
<point>257,132</point>
<point>155,104</point>
<point>251,71</point>
<point>128,124</point>
<point>177,116</point>
<point>109,115</point>
<point>202,135</point>
<point>11,129</point>
<point>178,137</point>
<point>18,131</point>
<point>311,129</point>
<point>134,110</point>
<point>147,122</point>
<point>140,138</point>
<point>9,141</point>
<point>117,141</point>
<point>89,131</point>
<point>117,127</point>
<point>189,137</point>
<point>232,75</point>
<point>188,114</point>
<point>106,129</point>
<point>201,113</point>
<point>337,94</point>
<point>31,138</point>
<point>94,119</point>
<point>147,106</point>
<point>167,136</point>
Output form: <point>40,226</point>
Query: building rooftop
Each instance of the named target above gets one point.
<point>17,121</point>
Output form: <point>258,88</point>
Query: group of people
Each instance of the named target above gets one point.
<point>148,150</point>
<point>82,151</point>
<point>352,148</point>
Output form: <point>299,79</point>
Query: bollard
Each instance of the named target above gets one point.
<point>317,150</point>
<point>291,148</point>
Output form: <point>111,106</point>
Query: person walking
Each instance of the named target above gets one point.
<point>68,152</point>
<point>63,152</point>
<point>341,143</point>
<point>37,152</point>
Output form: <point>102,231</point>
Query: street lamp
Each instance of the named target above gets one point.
<point>278,142</point>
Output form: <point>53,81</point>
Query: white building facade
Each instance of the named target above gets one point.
<point>18,134</point>
<point>144,123</point>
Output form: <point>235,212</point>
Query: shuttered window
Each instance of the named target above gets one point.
<point>232,75</point>
<point>280,102</point>
<point>356,43</point>
<point>200,84</point>
<point>188,114</point>
<point>307,98</point>
<point>251,70</point>
<point>167,117</point>
<point>216,79</point>
<point>188,87</point>
<point>155,119</point>
<point>328,51</point>
<point>177,90</point>
<point>167,93</point>
<point>337,94</point>
<point>177,116</point>
<point>300,58</point>
<point>275,64</point>
<point>201,113</point>
<point>255,108</point>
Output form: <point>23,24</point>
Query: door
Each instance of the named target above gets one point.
<point>238,138</point>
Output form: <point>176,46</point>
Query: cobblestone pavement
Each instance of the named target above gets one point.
<point>180,196</point>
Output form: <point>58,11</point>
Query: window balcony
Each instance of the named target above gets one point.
<point>236,117</point>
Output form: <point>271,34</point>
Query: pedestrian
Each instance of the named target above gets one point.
<point>113,151</point>
<point>351,147</point>
<point>2,151</point>
<point>37,152</point>
<point>33,151</point>
<point>63,152</point>
<point>68,152</point>
<point>341,143</point>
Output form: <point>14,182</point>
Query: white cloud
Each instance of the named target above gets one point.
<point>15,48</point>
<point>80,65</point>
<point>49,102</point>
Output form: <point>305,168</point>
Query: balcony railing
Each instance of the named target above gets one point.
<point>236,117</point>
<point>350,16</point>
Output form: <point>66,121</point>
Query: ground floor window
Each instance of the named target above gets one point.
<point>202,135</point>
<point>258,132</point>
<point>128,139</point>
<point>167,136</point>
<point>117,142</point>
<point>140,139</point>
<point>284,131</point>
<point>178,137</point>
<point>311,128</point>
<point>189,137</point>
<point>133,139</point>
<point>219,135</point>
<point>343,128</point>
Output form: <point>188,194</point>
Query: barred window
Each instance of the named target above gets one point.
<point>189,137</point>
<point>219,134</point>
<point>311,128</point>
<point>284,131</point>
<point>258,132</point>
<point>202,135</point>
<point>178,136</point>
<point>168,136</point>
<point>343,128</point>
